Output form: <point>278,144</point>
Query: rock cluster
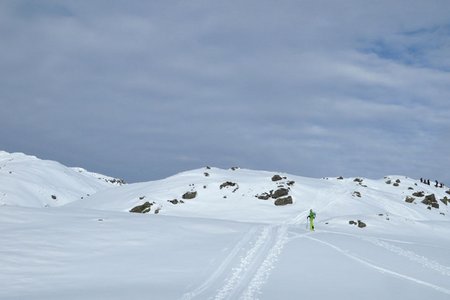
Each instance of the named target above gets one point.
<point>360,223</point>
<point>430,200</point>
<point>281,194</point>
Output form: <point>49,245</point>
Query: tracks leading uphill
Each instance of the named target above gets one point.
<point>244,272</point>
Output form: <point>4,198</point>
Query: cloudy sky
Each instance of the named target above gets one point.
<point>145,89</point>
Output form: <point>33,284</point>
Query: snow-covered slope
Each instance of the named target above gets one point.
<point>232,194</point>
<point>222,243</point>
<point>28,181</point>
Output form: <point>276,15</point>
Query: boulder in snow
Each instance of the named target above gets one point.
<point>263,196</point>
<point>357,194</point>
<point>143,208</point>
<point>431,201</point>
<point>283,201</point>
<point>189,195</point>
<point>409,199</point>
<point>418,194</point>
<point>227,184</point>
<point>276,177</point>
<point>280,193</point>
<point>361,224</point>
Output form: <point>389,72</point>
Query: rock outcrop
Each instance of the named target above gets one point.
<point>143,208</point>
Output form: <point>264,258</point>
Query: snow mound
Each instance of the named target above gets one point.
<point>28,181</point>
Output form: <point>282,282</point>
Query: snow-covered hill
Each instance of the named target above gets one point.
<point>219,235</point>
<point>28,181</point>
<point>245,195</point>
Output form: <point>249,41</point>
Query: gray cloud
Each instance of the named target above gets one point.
<point>146,89</point>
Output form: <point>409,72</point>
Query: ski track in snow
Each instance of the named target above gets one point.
<point>263,272</point>
<point>222,268</point>
<point>381,269</point>
<point>431,264</point>
<point>253,269</point>
<point>235,280</point>
<point>422,260</point>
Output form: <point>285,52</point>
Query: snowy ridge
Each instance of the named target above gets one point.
<point>28,181</point>
<point>232,194</point>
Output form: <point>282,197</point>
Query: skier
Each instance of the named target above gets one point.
<point>311,217</point>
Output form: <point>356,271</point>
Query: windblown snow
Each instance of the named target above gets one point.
<point>210,233</point>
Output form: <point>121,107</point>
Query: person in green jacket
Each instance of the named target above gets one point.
<point>311,217</point>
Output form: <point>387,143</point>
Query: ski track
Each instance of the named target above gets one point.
<point>422,260</point>
<point>246,279</point>
<point>222,268</point>
<point>263,272</point>
<point>381,269</point>
<point>235,279</point>
<point>431,264</point>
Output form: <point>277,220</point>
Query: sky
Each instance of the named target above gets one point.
<point>142,90</point>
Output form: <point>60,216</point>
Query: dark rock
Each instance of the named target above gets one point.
<point>445,200</point>
<point>280,193</point>
<point>189,195</point>
<point>396,184</point>
<point>448,192</point>
<point>263,196</point>
<point>352,222</point>
<point>206,174</point>
<point>174,201</point>
<point>410,188</point>
<point>157,210</point>
<point>283,201</point>
<point>358,180</point>
<point>53,197</point>
<point>388,181</point>
<point>361,224</point>
<point>410,199</point>
<point>204,186</point>
<point>143,208</point>
<point>398,181</point>
<point>340,178</point>
<point>418,194</point>
<point>234,168</point>
<point>357,194</point>
<point>276,177</point>
<point>142,198</point>
<point>118,181</point>
<point>208,167</point>
<point>430,200</point>
<point>380,215</point>
<point>226,184</point>
<point>290,183</point>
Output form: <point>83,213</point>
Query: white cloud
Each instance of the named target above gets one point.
<point>288,86</point>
